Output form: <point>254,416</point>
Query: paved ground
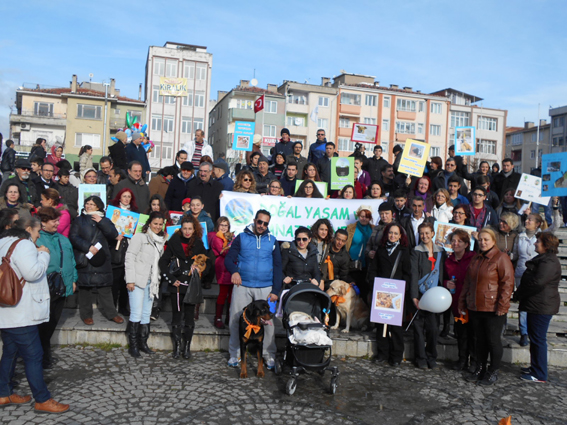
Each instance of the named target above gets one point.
<point>109,387</point>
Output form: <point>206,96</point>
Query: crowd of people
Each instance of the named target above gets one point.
<point>511,254</point>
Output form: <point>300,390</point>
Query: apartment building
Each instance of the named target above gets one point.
<point>173,120</point>
<point>238,105</point>
<point>400,113</point>
<point>490,125</point>
<point>522,145</point>
<point>558,136</point>
<point>84,113</point>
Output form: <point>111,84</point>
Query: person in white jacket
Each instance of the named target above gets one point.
<point>19,323</point>
<point>443,207</point>
<point>198,148</point>
<point>143,281</point>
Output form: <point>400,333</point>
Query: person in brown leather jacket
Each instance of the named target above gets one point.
<point>486,295</point>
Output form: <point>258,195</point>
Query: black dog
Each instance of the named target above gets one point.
<point>251,332</point>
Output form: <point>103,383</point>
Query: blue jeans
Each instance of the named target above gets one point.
<point>140,304</point>
<point>523,322</point>
<point>25,342</point>
<point>538,324</point>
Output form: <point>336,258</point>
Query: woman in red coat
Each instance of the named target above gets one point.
<point>220,240</point>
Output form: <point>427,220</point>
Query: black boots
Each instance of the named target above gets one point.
<point>143,335</point>
<point>187,342</point>
<point>176,336</point>
<point>132,333</point>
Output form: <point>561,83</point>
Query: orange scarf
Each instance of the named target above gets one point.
<point>250,327</point>
<point>330,268</point>
<point>335,299</point>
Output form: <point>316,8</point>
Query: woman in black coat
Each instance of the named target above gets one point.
<point>181,248</point>
<point>538,294</point>
<point>299,260</point>
<point>88,230</point>
<point>394,243</point>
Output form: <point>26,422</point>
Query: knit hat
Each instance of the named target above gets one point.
<point>186,201</point>
<point>222,165</point>
<point>257,139</point>
<point>122,136</point>
<point>136,136</point>
<point>363,207</point>
<point>263,159</point>
<point>284,131</point>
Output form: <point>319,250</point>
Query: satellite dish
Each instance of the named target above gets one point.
<point>254,82</point>
<point>91,75</point>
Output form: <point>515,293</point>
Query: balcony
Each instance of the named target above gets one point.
<point>345,132</point>
<point>297,108</point>
<point>405,115</point>
<point>235,114</point>
<point>298,131</point>
<point>27,116</point>
<point>351,110</point>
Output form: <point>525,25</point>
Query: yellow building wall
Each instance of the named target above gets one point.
<point>59,104</point>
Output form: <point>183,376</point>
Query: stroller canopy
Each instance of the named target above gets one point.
<point>307,298</point>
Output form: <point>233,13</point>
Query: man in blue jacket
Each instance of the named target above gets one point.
<point>136,152</point>
<point>255,263</point>
<point>317,149</point>
<point>220,171</point>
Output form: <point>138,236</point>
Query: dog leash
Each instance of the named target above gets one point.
<point>250,327</point>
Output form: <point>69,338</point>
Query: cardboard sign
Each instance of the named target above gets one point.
<point>342,172</point>
<point>322,186</point>
<point>388,301</point>
<point>465,141</point>
<point>175,217</point>
<point>414,158</point>
<point>125,221</point>
<point>87,190</point>
<point>243,135</point>
<point>554,174</point>
<point>443,232</point>
<point>529,189</point>
<point>364,133</point>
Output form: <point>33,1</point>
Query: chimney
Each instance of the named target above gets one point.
<point>325,81</point>
<point>112,91</point>
<point>418,91</point>
<point>74,84</point>
<point>273,88</point>
<point>407,88</point>
<point>140,92</point>
<point>394,86</point>
<point>220,95</point>
<point>528,124</point>
<point>244,83</point>
<point>542,122</point>
<point>376,83</point>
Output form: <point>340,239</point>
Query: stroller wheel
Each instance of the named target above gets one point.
<point>278,367</point>
<point>321,372</point>
<point>334,385</point>
<point>291,386</point>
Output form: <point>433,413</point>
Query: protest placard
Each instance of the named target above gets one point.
<point>388,301</point>
<point>243,135</point>
<point>554,174</point>
<point>342,172</point>
<point>125,221</point>
<point>364,133</point>
<point>529,189</point>
<point>87,190</point>
<point>443,232</point>
<point>414,158</point>
<point>322,186</point>
<point>465,141</point>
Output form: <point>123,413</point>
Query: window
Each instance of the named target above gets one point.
<point>201,72</point>
<point>486,146</point>
<point>159,65</point>
<point>485,123</point>
<point>170,100</point>
<point>421,106</point>
<point>323,101</point>
<point>117,112</point>
<point>200,99</point>
<point>406,105</point>
<point>405,127</point>
<point>168,124</point>
<point>557,141</point>
<point>534,139</point>
<point>370,100</point>
<point>156,97</point>
<point>344,123</point>
<point>322,123</point>
<point>91,112</point>
<point>162,150</point>
<point>435,151</point>
<point>350,99</point>
<point>386,101</point>
<point>272,107</point>
<point>296,121</point>
<point>436,108</point>
<point>459,119</point>
<point>516,155</point>
<point>344,144</point>
<point>199,124</point>
<point>171,69</point>
<point>297,99</point>
<point>186,125</point>
<point>156,123</point>
<point>517,139</point>
<point>419,128</point>
<point>270,130</point>
<point>244,104</point>
<point>540,153</point>
<point>369,120</point>
<point>82,139</point>
<point>386,125</point>
<point>558,122</point>
<point>189,70</point>
<point>136,114</point>
<point>435,130</point>
<point>188,100</point>
<point>532,154</point>
<point>43,109</point>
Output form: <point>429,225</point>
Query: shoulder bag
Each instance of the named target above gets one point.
<point>55,281</point>
<point>432,278</point>
<point>11,287</point>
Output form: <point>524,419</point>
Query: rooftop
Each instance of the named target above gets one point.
<point>258,90</point>
<point>450,90</point>
<point>394,90</point>
<point>80,91</point>
<point>184,45</point>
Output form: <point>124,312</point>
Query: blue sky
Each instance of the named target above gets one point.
<point>511,53</point>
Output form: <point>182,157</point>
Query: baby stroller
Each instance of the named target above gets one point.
<point>308,346</point>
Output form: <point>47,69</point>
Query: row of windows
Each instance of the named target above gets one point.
<point>166,124</point>
<point>197,100</point>
<point>169,68</point>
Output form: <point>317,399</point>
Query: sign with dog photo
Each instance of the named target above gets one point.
<point>388,301</point>
<point>465,141</point>
<point>529,189</point>
<point>342,172</point>
<point>364,133</point>
<point>414,158</point>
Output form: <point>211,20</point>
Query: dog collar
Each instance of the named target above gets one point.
<point>250,327</point>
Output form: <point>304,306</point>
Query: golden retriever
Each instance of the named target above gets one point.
<point>353,310</point>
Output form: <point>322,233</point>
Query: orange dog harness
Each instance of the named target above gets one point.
<point>335,299</point>
<point>250,327</point>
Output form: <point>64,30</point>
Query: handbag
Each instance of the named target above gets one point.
<point>432,278</point>
<point>194,294</point>
<point>11,287</point>
<point>81,260</point>
<point>174,268</point>
<point>356,265</point>
<point>55,281</point>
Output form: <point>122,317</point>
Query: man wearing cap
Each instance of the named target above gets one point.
<point>117,151</point>
<point>296,158</point>
<point>263,175</point>
<point>197,148</point>
<point>22,179</point>
<point>220,171</point>
<point>69,193</point>
<point>284,146</point>
<point>317,149</point>
<point>136,152</point>
<point>178,187</point>
<point>207,188</point>
<point>135,182</point>
<point>376,164</point>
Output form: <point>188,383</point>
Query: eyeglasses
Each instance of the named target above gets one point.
<point>246,180</point>
<point>478,194</point>
<point>459,213</point>
<point>262,223</point>
<point>301,239</point>
<point>450,164</point>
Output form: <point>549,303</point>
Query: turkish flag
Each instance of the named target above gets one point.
<point>259,104</point>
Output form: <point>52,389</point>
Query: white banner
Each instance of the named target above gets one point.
<point>290,213</point>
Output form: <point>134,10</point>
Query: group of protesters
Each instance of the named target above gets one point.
<point>510,254</point>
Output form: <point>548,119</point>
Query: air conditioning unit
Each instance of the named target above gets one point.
<point>297,121</point>
<point>24,127</point>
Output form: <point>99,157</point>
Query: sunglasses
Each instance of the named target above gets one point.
<point>320,135</point>
<point>301,239</point>
<point>25,169</point>
<point>246,180</point>
<point>262,223</point>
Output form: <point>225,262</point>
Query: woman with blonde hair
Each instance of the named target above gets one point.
<point>442,206</point>
<point>245,182</point>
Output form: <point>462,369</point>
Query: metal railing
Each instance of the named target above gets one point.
<point>39,114</point>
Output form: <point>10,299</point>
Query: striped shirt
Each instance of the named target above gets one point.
<point>197,154</point>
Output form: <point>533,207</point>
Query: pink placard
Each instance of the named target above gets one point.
<point>388,301</point>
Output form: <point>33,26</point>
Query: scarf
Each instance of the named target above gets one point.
<point>157,242</point>
<point>478,221</point>
<point>337,299</point>
<point>99,213</point>
<point>124,207</point>
<point>182,179</point>
<point>391,246</point>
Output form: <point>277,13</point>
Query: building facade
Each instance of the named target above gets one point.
<point>558,121</point>
<point>172,121</point>
<point>523,148</point>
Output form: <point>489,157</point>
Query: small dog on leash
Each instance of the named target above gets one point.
<point>251,333</point>
<point>348,306</point>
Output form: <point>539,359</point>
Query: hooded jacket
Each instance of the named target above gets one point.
<point>316,151</point>
<point>69,196</point>
<point>341,263</point>
<point>189,147</point>
<point>69,269</point>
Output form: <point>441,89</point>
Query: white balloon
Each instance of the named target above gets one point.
<point>436,300</point>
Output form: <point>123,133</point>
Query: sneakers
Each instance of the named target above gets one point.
<point>530,378</point>
<point>526,370</point>
<point>14,399</point>
<point>51,406</point>
<point>269,362</point>
<point>489,378</point>
<point>233,362</point>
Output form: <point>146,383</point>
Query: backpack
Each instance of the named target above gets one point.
<point>11,287</point>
